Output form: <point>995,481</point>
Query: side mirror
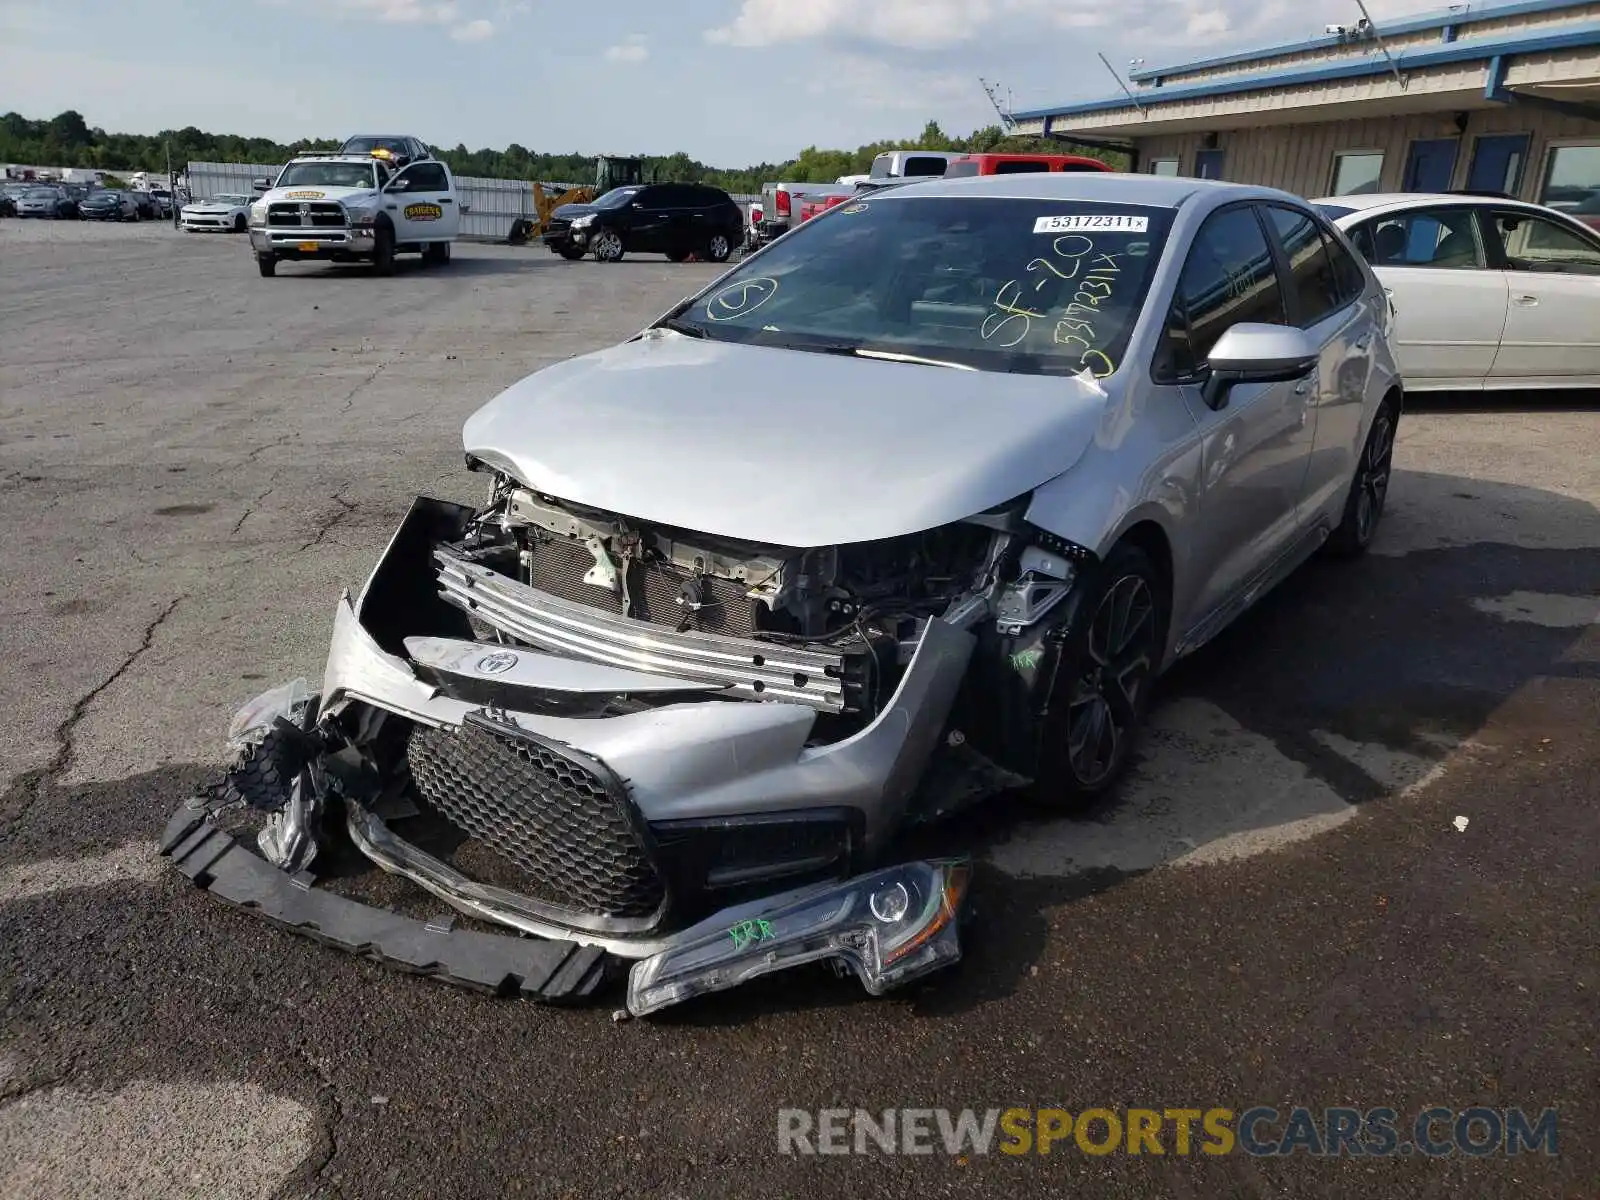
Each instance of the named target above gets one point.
<point>263,184</point>
<point>1250,353</point>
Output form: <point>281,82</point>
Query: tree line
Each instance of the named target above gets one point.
<point>68,141</point>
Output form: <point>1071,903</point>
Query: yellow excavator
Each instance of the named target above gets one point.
<point>611,171</point>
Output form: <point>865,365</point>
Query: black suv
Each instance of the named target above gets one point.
<point>675,219</point>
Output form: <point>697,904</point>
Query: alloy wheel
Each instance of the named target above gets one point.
<point>719,248</point>
<point>1105,702</point>
<point>1373,480</point>
<point>608,246</point>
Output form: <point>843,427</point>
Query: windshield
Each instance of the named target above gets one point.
<point>1028,286</point>
<point>230,199</point>
<point>616,198</point>
<point>328,174</point>
<point>366,145</point>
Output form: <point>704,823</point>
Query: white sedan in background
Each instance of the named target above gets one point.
<point>225,214</point>
<point>1488,293</point>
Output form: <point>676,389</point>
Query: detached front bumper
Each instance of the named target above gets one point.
<point>635,832</point>
<point>291,243</point>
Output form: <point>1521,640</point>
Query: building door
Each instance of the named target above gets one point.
<point>1497,163</point>
<point>1431,165</point>
<point>1208,164</point>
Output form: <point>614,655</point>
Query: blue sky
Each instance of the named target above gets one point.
<point>731,82</point>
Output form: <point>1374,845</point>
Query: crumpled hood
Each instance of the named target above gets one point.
<point>784,447</point>
<point>358,197</point>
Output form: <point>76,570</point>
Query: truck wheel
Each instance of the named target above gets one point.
<point>608,246</point>
<point>436,254</point>
<point>718,248</point>
<point>267,265</point>
<point>570,252</point>
<point>383,252</point>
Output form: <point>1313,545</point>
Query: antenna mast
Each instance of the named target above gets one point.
<point>1125,89</point>
<point>1371,29</point>
<point>992,90</point>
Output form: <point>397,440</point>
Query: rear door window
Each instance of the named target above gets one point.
<point>1314,285</point>
<point>923,165</point>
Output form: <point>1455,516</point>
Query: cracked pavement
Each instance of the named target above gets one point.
<point>1276,908</point>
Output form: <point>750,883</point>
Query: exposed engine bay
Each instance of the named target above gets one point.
<point>856,608</point>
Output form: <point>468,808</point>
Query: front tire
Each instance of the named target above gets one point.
<point>383,252</point>
<point>239,225</point>
<point>267,265</point>
<point>1369,487</point>
<point>608,246</point>
<point>1104,679</point>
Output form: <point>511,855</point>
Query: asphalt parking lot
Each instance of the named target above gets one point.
<point>1277,908</point>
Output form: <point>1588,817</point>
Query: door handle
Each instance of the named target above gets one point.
<point>446,200</point>
<point>1525,301</point>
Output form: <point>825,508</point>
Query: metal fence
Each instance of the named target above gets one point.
<point>207,179</point>
<point>489,206</point>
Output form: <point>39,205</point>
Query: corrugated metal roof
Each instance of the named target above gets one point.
<point>1541,41</point>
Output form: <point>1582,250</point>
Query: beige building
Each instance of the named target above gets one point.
<point>1478,97</point>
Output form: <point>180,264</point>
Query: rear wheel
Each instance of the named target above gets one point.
<point>1369,489</point>
<point>718,248</point>
<point>608,246</point>
<point>267,265</point>
<point>1104,680</point>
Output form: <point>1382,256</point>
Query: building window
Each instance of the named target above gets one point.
<point>1163,166</point>
<point>1357,172</point>
<point>1572,182</point>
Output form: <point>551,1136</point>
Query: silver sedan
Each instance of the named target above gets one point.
<point>912,506</point>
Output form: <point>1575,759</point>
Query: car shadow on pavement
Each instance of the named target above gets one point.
<point>1347,685</point>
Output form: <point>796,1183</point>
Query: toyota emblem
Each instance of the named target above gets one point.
<point>496,664</point>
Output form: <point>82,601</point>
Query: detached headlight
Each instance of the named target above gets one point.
<point>888,927</point>
<point>583,222</point>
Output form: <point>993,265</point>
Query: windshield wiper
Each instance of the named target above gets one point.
<point>851,351</point>
<point>682,327</point>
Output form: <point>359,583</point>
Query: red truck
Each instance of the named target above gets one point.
<point>1016,164</point>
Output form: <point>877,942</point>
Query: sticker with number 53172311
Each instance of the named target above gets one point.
<point>1093,223</point>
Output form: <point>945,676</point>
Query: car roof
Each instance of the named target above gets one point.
<point>1404,200</point>
<point>1103,187</point>
<point>344,158</point>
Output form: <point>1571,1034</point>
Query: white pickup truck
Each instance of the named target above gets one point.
<point>352,208</point>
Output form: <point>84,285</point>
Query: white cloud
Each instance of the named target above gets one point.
<point>939,24</point>
<point>406,12</point>
<point>633,50</point>
<point>473,31</point>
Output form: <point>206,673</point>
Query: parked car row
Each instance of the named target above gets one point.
<point>75,202</point>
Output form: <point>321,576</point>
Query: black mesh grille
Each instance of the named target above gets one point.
<point>559,567</point>
<point>564,821</point>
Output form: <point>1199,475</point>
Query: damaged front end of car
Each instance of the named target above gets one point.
<point>603,741</point>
